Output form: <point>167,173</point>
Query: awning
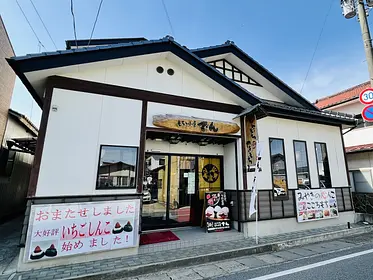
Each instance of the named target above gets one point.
<point>281,110</point>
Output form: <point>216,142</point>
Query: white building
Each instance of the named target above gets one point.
<point>358,141</point>
<point>199,111</point>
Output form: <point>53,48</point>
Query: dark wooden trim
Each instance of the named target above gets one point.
<point>243,148</point>
<point>141,155</point>
<point>345,157</point>
<point>237,186</point>
<point>34,175</point>
<point>140,94</point>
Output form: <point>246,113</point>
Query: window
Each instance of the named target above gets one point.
<point>117,167</point>
<point>278,167</point>
<point>232,72</point>
<point>362,181</point>
<point>322,162</point>
<point>301,164</point>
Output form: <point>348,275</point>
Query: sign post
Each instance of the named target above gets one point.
<point>366,98</point>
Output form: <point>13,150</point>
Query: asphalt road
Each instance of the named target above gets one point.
<point>354,263</point>
<point>342,259</point>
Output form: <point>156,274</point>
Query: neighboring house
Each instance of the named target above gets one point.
<point>359,140</point>
<point>102,103</point>
<point>7,78</point>
<point>17,154</point>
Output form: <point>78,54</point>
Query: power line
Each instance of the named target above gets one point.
<point>30,25</point>
<point>46,29</point>
<point>168,18</point>
<point>317,45</point>
<point>72,13</point>
<point>94,25</point>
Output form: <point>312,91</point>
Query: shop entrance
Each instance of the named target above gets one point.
<point>174,188</point>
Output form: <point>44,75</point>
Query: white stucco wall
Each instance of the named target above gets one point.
<point>141,73</point>
<point>290,130</point>
<point>230,181</point>
<point>359,136</point>
<point>74,134</point>
<point>260,92</point>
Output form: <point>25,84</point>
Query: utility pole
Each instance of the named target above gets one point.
<point>366,38</point>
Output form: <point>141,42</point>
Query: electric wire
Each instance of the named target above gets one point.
<point>30,25</point>
<point>45,27</point>
<point>317,45</point>
<point>168,18</point>
<point>94,25</point>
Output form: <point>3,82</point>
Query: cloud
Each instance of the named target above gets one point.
<point>330,75</point>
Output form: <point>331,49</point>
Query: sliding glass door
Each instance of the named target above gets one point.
<point>174,188</point>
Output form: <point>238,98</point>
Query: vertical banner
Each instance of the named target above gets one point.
<point>251,140</point>
<point>259,149</point>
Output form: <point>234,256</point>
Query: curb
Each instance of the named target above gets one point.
<point>262,248</point>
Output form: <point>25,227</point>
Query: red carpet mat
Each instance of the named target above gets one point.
<point>157,237</point>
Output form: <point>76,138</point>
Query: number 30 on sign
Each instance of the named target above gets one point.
<point>366,96</point>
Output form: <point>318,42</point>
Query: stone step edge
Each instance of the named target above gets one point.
<point>201,259</point>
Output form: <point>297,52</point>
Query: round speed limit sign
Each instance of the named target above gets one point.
<point>366,96</point>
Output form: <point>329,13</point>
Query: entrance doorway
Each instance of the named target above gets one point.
<point>174,188</point>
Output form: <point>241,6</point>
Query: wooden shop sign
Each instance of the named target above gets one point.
<point>195,125</point>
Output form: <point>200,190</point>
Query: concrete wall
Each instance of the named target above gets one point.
<point>290,130</point>
<point>272,227</point>
<point>7,78</point>
<point>74,134</point>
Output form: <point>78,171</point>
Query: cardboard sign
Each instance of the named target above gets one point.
<point>57,230</point>
<point>315,205</point>
<point>217,212</point>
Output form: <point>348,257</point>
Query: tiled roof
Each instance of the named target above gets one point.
<point>359,148</point>
<point>341,97</point>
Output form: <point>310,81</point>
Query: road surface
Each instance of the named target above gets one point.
<point>343,259</point>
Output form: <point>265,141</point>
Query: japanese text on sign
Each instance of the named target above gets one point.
<point>57,230</point>
<point>318,204</point>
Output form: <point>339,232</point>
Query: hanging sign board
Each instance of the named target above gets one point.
<point>315,205</point>
<point>217,212</point>
<point>194,125</point>
<point>58,230</point>
<point>251,141</point>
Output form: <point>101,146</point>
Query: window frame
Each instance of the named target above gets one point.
<point>97,188</point>
<point>295,162</point>
<point>285,197</point>
<point>317,167</point>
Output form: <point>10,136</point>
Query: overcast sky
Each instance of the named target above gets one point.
<point>281,35</point>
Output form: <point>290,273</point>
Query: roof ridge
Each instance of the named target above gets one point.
<point>341,92</point>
